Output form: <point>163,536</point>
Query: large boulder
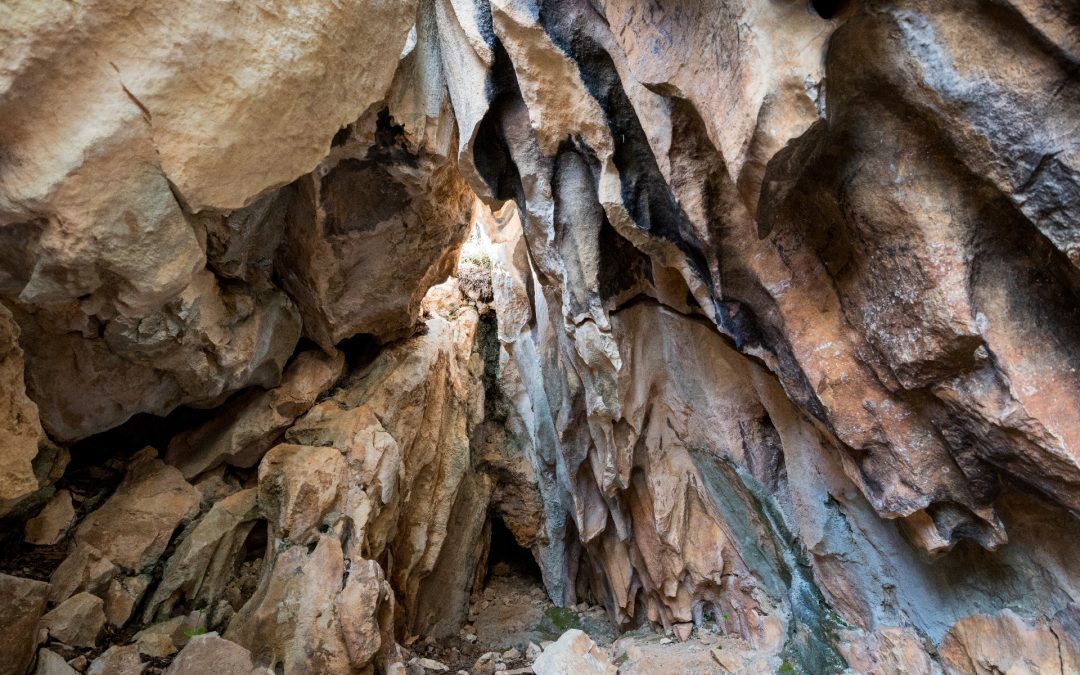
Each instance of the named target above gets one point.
<point>22,602</point>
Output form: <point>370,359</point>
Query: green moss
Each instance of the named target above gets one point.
<point>786,669</point>
<point>559,619</point>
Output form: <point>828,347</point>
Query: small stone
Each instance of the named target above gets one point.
<point>429,664</point>
<point>77,621</point>
<point>573,653</point>
<point>121,596</point>
<point>50,525</point>
<point>532,651</point>
<point>511,654</point>
<point>666,641</point>
<point>118,660</point>
<point>79,663</point>
<point>730,660</point>
<point>51,663</point>
<point>211,653</point>
<point>683,631</point>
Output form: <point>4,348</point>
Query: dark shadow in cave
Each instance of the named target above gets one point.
<point>828,9</point>
<point>507,557</point>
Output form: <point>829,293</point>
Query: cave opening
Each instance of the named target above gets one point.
<point>506,557</point>
<point>828,9</point>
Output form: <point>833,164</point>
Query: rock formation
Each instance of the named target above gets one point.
<point>759,318</point>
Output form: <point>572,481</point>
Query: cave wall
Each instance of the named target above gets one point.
<point>779,324</point>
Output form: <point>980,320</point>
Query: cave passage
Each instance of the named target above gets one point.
<point>507,557</point>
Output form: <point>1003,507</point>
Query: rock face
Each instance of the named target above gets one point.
<point>22,602</point>
<point>769,320</point>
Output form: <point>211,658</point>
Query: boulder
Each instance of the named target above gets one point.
<point>50,525</point>
<point>211,653</point>
<point>573,652</point>
<point>118,660</point>
<point>245,429</point>
<point>134,526</point>
<point>78,621</point>
<point>51,663</point>
<point>22,602</point>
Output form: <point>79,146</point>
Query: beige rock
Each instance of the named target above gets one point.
<point>18,419</point>
<point>118,660</point>
<point>1002,643</point>
<point>78,621</point>
<point>22,602</point>
<point>85,569</point>
<point>203,563</point>
<point>290,622</point>
<point>886,651</point>
<point>121,597</point>
<point>51,663</point>
<point>573,652</point>
<point>211,653</point>
<point>133,528</point>
<point>50,525</point>
<point>247,428</point>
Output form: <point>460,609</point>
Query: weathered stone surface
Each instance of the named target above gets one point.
<point>211,653</point>
<point>77,621</point>
<point>375,201</point>
<point>203,563</point>
<point>22,602</point>
<point>573,652</point>
<point>51,663</point>
<point>50,525</point>
<point>133,528</point>
<point>248,427</point>
<point>22,433</point>
<point>118,661</point>
<point>1004,643</point>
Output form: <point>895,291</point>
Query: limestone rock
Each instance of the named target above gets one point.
<point>203,562</point>
<point>50,525</point>
<point>51,663</point>
<point>1003,643</point>
<point>122,595</point>
<point>78,621</point>
<point>573,652</point>
<point>18,420</point>
<point>118,660</point>
<point>133,528</point>
<point>247,428</point>
<point>22,602</point>
<point>365,208</point>
<point>211,653</point>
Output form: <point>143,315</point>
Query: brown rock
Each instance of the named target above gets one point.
<point>203,562</point>
<point>51,663</point>
<point>22,433</point>
<point>133,528</point>
<point>50,525</point>
<point>246,429</point>
<point>211,653</point>
<point>117,660</point>
<point>1003,643</point>
<point>22,602</point>
<point>78,621</point>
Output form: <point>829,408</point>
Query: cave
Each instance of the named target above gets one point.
<point>507,557</point>
<point>559,337</point>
